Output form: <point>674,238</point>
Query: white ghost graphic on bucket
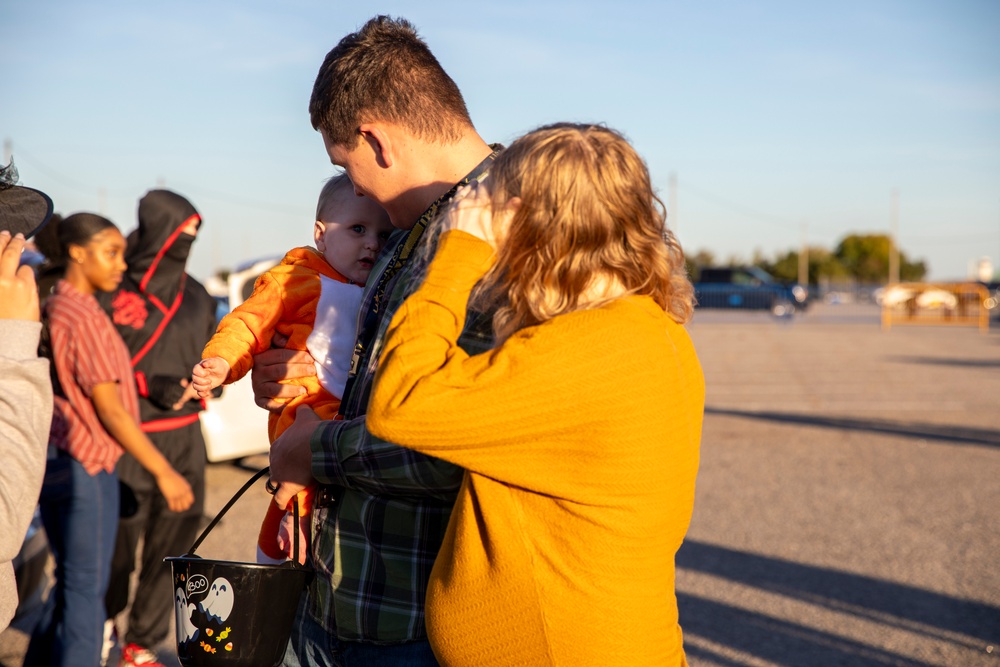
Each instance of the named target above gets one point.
<point>183,610</point>
<point>219,601</point>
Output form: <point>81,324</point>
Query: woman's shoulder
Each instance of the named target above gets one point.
<point>75,311</point>
<point>636,309</point>
<point>616,325</point>
<point>62,304</point>
<point>624,326</point>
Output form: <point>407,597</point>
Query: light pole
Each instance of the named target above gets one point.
<point>893,235</point>
<point>804,256</point>
<point>672,213</point>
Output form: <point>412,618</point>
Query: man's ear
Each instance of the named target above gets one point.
<point>380,142</point>
<point>318,230</point>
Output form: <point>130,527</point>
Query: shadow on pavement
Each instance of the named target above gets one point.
<point>944,433</point>
<point>962,363</point>
<point>773,640</point>
<point>926,613</point>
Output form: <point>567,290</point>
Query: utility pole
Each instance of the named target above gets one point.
<point>893,236</point>
<point>804,256</point>
<point>672,212</point>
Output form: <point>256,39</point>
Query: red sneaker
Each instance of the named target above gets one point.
<point>134,655</point>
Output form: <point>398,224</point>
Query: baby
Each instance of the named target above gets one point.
<point>312,298</point>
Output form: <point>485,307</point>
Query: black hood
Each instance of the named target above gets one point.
<point>164,316</point>
<point>157,250</point>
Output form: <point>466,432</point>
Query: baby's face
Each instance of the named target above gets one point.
<point>351,233</point>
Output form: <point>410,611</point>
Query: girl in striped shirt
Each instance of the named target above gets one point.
<point>95,419</point>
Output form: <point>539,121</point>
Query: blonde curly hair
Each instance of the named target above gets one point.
<point>587,219</point>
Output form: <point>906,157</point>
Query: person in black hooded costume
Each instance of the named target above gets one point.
<point>165,317</point>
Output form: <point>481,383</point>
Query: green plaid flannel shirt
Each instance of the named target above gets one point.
<point>374,545</point>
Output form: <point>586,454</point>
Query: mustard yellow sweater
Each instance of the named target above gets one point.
<point>580,437</point>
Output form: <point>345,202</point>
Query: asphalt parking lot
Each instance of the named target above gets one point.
<point>847,500</point>
<point>846,511</point>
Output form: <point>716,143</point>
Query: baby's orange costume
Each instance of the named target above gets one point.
<point>310,302</point>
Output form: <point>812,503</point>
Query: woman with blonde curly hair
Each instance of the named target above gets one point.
<point>579,431</point>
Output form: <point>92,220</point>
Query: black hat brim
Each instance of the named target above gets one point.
<point>24,210</point>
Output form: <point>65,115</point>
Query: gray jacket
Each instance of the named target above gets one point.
<point>25,416</point>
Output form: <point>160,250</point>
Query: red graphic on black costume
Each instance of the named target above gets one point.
<point>130,310</point>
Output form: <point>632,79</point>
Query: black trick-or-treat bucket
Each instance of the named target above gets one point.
<point>231,613</point>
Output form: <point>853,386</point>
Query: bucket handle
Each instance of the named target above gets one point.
<point>232,501</point>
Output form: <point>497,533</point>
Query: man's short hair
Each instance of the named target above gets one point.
<point>385,72</point>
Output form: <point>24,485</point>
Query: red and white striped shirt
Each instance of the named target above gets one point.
<point>87,351</point>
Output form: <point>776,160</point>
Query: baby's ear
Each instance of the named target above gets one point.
<point>318,230</point>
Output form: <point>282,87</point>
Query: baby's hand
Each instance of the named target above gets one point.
<point>209,374</point>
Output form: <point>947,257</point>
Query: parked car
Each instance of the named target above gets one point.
<point>233,425</point>
<point>748,287</point>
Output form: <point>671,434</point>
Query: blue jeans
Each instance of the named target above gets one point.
<point>312,646</point>
<point>80,514</point>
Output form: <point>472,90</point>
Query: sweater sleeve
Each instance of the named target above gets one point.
<point>514,414</point>
<point>248,329</point>
<point>25,415</point>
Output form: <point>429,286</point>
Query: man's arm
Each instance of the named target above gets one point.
<point>346,454</point>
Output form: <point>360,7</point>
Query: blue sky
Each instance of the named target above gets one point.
<point>781,120</point>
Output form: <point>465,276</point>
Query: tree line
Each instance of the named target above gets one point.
<point>860,258</point>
